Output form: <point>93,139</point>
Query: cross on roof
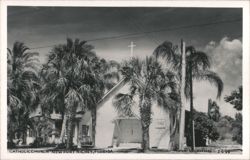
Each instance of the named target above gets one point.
<point>131,46</point>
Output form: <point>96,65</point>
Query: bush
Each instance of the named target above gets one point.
<point>237,128</point>
<point>11,145</point>
<point>37,143</point>
<point>204,128</point>
<point>61,146</point>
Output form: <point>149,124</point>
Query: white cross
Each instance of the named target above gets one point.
<point>131,46</point>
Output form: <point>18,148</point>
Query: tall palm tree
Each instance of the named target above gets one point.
<point>146,80</point>
<point>67,78</point>
<point>74,76</point>
<point>23,83</point>
<point>54,87</point>
<point>198,65</point>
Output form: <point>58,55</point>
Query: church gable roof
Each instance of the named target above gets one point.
<point>111,92</point>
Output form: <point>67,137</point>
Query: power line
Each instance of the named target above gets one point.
<point>154,31</point>
<point>139,27</point>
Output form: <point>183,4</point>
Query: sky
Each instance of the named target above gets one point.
<point>216,31</point>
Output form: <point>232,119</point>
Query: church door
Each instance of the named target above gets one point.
<point>131,131</point>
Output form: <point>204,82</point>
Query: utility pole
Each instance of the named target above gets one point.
<point>191,105</point>
<point>183,98</point>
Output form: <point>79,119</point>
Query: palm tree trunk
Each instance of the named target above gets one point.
<point>145,113</point>
<point>173,143</point>
<point>93,115</point>
<point>71,118</point>
<point>24,136</point>
<point>37,137</point>
<point>70,132</point>
<point>145,138</point>
<point>63,128</point>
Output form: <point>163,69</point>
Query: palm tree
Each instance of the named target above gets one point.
<point>146,80</point>
<point>55,81</point>
<point>74,76</point>
<point>23,84</point>
<point>198,65</point>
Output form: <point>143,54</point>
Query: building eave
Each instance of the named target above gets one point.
<point>119,85</point>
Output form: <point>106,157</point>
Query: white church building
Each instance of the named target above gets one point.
<point>113,130</point>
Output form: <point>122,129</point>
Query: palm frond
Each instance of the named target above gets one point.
<point>123,104</point>
<point>212,77</point>
<point>30,75</point>
<point>14,102</point>
<point>82,43</point>
<point>9,52</point>
<point>168,101</point>
<point>73,98</point>
<point>166,50</point>
<point>200,60</point>
<point>27,55</point>
<point>62,84</point>
<point>18,49</point>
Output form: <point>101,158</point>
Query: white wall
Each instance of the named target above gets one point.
<point>159,129</point>
<point>86,120</point>
<point>105,115</point>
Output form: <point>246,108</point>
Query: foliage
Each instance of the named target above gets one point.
<point>213,110</point>
<point>237,128</point>
<point>230,128</point>
<point>198,61</point>
<point>43,127</point>
<point>75,78</point>
<point>23,85</point>
<point>197,67</point>
<point>67,78</point>
<point>204,128</point>
<point>224,127</point>
<point>147,81</point>
<point>235,99</point>
<point>43,131</point>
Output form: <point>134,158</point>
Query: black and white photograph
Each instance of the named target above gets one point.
<point>134,80</point>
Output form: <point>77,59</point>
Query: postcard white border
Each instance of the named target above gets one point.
<point>3,78</point>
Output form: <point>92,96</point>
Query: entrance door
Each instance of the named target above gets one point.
<point>130,131</point>
<point>85,135</point>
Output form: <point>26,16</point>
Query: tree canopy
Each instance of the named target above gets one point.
<point>235,98</point>
<point>22,90</point>
<point>204,128</point>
